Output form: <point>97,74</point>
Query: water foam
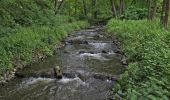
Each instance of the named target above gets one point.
<point>31,81</point>
<point>78,81</point>
<point>67,80</point>
<point>96,56</point>
<point>99,45</point>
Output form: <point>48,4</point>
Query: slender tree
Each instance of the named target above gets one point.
<point>75,8</point>
<point>152,9</point>
<point>114,12</point>
<point>122,6</point>
<point>94,11</point>
<point>59,6</point>
<point>55,5</point>
<point>84,7</point>
<point>69,9</point>
<point>165,13</point>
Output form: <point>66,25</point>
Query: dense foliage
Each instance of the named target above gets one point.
<point>134,13</point>
<point>83,9</point>
<point>14,13</point>
<point>147,47</point>
<point>30,28</point>
<point>105,9</point>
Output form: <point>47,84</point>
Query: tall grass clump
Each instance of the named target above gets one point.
<point>147,47</point>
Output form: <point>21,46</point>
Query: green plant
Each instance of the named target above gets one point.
<point>134,13</point>
<point>27,42</point>
<point>147,48</point>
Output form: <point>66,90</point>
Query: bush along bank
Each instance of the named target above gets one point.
<point>30,43</point>
<point>147,47</point>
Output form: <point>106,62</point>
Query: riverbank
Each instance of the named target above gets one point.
<point>29,44</point>
<point>90,64</point>
<point>146,45</point>
<point>30,30</point>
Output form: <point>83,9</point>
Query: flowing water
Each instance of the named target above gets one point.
<point>91,64</point>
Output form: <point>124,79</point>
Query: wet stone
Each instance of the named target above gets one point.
<point>104,51</point>
<point>48,73</point>
<point>81,52</point>
<point>69,75</point>
<point>105,77</point>
<point>77,42</point>
<point>124,61</point>
<point>57,72</point>
<point>91,52</point>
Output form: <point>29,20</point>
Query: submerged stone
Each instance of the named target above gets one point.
<point>77,42</point>
<point>69,75</point>
<point>104,51</point>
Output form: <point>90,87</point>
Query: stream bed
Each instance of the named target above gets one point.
<point>91,64</point>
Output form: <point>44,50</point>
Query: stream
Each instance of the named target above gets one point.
<point>90,62</point>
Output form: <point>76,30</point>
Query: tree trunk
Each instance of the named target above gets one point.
<point>114,12</point>
<point>165,13</point>
<point>153,14</point>
<point>149,9</point>
<point>152,9</point>
<point>94,11</point>
<point>69,11</point>
<point>75,8</point>
<point>55,5</point>
<point>122,6</point>
<point>59,7</point>
<point>85,9</point>
<point>163,10</point>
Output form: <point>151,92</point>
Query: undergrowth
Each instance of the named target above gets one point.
<point>29,28</point>
<point>27,42</point>
<point>147,47</point>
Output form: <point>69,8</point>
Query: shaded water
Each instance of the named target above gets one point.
<point>84,60</point>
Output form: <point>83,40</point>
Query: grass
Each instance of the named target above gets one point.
<point>147,47</point>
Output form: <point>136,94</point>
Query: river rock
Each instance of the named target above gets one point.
<point>46,73</point>
<point>124,61</point>
<point>81,52</point>
<point>118,51</point>
<point>77,42</point>
<point>104,51</point>
<point>69,75</point>
<point>57,72</point>
<point>91,52</point>
<point>105,77</point>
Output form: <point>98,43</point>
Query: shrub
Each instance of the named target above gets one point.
<point>146,45</point>
<point>134,13</point>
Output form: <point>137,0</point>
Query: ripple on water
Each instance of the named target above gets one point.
<point>67,80</point>
<point>97,56</point>
<point>99,45</point>
<point>30,81</point>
